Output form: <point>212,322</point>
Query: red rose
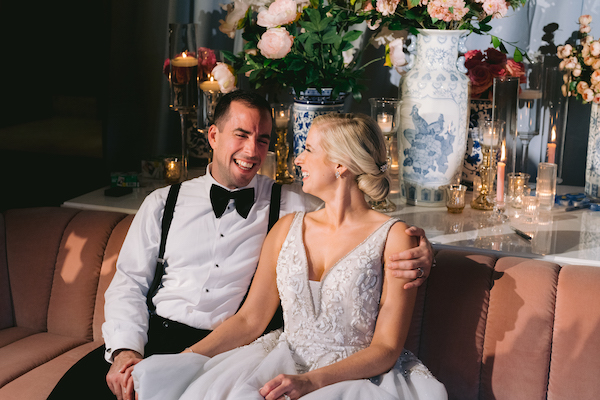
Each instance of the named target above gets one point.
<point>207,60</point>
<point>497,69</point>
<point>481,80</point>
<point>495,57</point>
<point>473,58</point>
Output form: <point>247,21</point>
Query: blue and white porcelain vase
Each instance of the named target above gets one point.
<point>433,116</point>
<point>307,106</point>
<point>592,165</point>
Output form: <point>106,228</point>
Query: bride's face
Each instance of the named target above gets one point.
<point>318,173</point>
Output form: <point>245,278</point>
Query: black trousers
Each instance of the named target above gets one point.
<point>87,378</point>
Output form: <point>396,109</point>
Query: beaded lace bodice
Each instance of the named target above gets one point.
<point>350,294</point>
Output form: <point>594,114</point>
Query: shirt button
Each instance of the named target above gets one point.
<point>217,265</point>
<point>221,235</point>
<point>206,290</point>
<point>165,324</point>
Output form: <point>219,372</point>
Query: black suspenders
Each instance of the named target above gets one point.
<point>166,224</point>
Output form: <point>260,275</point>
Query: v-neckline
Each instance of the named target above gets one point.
<point>327,272</point>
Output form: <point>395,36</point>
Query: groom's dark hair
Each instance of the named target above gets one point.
<point>250,99</point>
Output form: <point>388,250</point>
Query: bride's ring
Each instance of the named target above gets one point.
<point>286,397</point>
<point>421,272</point>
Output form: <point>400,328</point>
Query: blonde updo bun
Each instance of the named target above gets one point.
<point>356,142</point>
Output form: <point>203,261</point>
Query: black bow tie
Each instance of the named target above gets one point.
<point>219,197</point>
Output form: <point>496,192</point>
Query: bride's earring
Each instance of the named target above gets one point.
<point>337,174</point>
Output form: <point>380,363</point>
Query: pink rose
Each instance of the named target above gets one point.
<point>224,75</point>
<point>387,7</point>
<point>275,43</point>
<point>280,12</point>
<point>515,68</point>
<point>481,80</point>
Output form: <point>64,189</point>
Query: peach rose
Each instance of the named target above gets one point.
<point>596,98</point>
<point>588,95</point>
<point>564,91</point>
<point>585,19</point>
<point>275,43</point>
<point>595,49</point>
<point>515,68</point>
<point>596,64</point>
<point>280,12</point>
<point>585,29</point>
<point>224,75</point>
<point>582,87</point>
<point>595,78</point>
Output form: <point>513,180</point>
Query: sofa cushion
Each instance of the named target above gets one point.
<point>518,335</point>
<point>11,335</point>
<point>77,272</point>
<point>24,355</point>
<point>33,237</point>
<point>575,361</point>
<point>454,320</point>
<point>39,382</point>
<point>6,306</point>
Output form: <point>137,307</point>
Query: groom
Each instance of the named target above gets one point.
<point>219,223</point>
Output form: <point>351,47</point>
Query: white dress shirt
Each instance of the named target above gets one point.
<point>210,261</point>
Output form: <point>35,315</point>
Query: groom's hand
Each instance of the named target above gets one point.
<point>119,378</point>
<point>413,263</point>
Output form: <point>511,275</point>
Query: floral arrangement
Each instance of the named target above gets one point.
<point>209,67</point>
<point>483,67</point>
<point>298,44</point>
<point>582,65</point>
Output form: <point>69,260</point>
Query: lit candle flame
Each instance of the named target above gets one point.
<point>553,137</point>
<point>184,54</point>
<point>503,153</point>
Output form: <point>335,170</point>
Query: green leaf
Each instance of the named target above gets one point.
<point>518,56</point>
<point>313,15</point>
<point>331,37</point>
<point>309,26</point>
<point>352,36</point>
<point>495,41</point>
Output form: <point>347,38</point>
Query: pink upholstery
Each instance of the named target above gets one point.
<point>488,328</point>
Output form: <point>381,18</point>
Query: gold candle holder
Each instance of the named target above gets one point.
<point>491,135</point>
<point>281,114</point>
<point>487,172</point>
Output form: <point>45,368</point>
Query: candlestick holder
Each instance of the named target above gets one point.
<point>385,112</point>
<point>281,116</point>
<point>491,135</point>
<point>183,78</point>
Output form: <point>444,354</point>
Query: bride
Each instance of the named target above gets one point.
<point>345,319</point>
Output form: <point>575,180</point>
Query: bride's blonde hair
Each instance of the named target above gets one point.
<point>356,142</point>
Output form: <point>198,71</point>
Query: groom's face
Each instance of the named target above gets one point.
<point>240,146</point>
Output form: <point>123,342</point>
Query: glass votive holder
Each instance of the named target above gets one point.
<point>455,198</point>
<point>546,185</point>
<point>172,166</point>
<point>517,186</point>
<point>269,166</point>
<point>530,209</point>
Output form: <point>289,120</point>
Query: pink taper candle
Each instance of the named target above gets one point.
<point>500,176</point>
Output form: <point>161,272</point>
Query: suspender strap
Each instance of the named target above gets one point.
<point>160,262</point>
<point>275,204</point>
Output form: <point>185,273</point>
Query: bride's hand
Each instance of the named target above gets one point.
<point>286,387</point>
<point>414,263</point>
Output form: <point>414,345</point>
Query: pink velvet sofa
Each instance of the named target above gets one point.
<point>488,328</point>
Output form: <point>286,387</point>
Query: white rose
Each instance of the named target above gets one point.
<point>222,73</point>
<point>397,56</point>
<point>235,12</point>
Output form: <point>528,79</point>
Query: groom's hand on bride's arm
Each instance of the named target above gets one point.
<point>413,263</point>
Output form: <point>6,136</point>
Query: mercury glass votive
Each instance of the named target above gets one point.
<point>172,166</point>
<point>455,198</point>
<point>517,183</point>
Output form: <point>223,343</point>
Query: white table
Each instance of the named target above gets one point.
<point>562,237</point>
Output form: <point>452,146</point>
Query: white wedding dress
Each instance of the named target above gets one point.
<point>324,321</point>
